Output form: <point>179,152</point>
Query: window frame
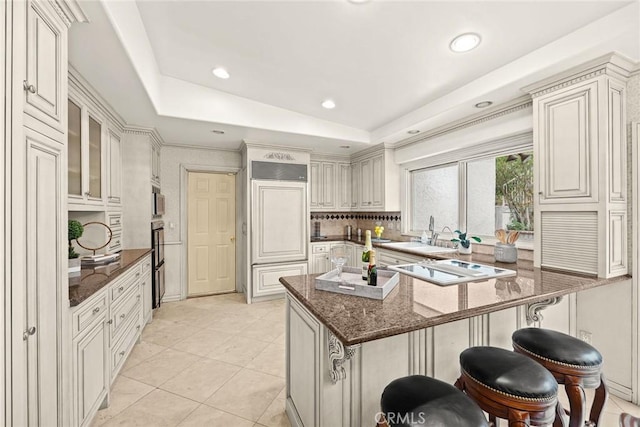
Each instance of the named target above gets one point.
<point>464,156</point>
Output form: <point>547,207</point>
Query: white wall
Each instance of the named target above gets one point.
<point>174,160</point>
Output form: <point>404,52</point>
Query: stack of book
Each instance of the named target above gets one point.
<point>99,259</point>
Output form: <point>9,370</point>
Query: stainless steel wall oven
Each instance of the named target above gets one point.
<point>157,244</point>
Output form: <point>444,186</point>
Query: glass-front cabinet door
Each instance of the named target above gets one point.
<point>75,150</point>
<point>95,159</point>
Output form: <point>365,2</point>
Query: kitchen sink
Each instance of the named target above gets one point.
<point>417,247</point>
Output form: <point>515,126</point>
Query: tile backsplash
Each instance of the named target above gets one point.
<point>335,223</point>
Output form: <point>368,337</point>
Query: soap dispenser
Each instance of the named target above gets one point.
<point>424,239</point>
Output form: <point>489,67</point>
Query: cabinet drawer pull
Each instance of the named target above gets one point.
<point>121,288</point>
<point>138,297</point>
<point>87,193</point>
<point>122,353</point>
<point>96,310</point>
<point>29,88</point>
<point>122,316</point>
<point>138,274</point>
<point>110,322</point>
<point>138,327</point>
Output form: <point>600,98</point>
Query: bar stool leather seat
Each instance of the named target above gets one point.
<point>509,385</point>
<point>574,363</point>
<point>420,401</point>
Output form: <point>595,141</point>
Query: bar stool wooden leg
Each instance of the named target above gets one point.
<point>601,396</point>
<point>560,413</point>
<point>577,400</point>
<point>518,418</point>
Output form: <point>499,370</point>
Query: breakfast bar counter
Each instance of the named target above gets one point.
<point>357,345</point>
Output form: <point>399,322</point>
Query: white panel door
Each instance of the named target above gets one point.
<point>44,198</point>
<point>211,228</point>
<point>278,221</point>
<point>45,85</point>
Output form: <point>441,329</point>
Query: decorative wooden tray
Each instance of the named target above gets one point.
<point>352,283</point>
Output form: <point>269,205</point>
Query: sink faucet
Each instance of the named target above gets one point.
<point>434,234</point>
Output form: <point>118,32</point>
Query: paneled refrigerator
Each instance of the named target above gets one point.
<point>279,225</point>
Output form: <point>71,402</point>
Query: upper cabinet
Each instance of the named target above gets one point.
<point>580,155</point>
<point>369,182</point>
<point>155,164</point>
<point>323,185</point>
<point>94,151</point>
<point>114,158</point>
<point>376,180</point>
<point>46,73</point>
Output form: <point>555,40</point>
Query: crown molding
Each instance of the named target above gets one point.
<point>70,11</point>
<point>150,132</point>
<point>201,147</point>
<point>501,110</point>
<point>612,64</point>
<point>252,144</point>
<point>331,157</point>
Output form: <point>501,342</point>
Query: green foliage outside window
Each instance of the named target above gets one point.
<point>514,187</point>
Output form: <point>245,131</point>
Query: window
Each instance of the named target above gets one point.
<point>434,192</point>
<point>498,193</point>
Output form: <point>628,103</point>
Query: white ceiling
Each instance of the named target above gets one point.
<point>386,63</point>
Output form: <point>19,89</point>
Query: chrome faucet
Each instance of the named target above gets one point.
<point>434,234</point>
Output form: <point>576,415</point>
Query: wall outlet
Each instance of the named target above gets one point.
<point>585,336</point>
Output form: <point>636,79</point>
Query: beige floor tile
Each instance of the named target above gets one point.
<point>170,335</point>
<point>283,394</point>
<point>141,352</point>
<point>230,323</point>
<point>202,342</point>
<point>627,407</point>
<point>158,409</point>
<point>238,350</point>
<point>161,367</point>
<point>199,381</point>
<point>211,417</point>
<point>275,416</point>
<point>156,325</point>
<point>248,394</point>
<point>263,331</point>
<point>270,361</point>
<point>124,393</point>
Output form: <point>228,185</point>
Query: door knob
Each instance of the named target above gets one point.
<point>233,239</point>
<point>28,332</point>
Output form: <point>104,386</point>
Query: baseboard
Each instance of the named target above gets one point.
<point>171,298</point>
<point>292,414</point>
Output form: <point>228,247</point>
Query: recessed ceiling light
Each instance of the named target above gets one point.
<point>413,131</point>
<point>220,73</point>
<point>483,104</point>
<point>465,42</point>
<point>328,104</point>
<point>218,132</point>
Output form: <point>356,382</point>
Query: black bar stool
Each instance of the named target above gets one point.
<point>573,363</point>
<point>510,386</point>
<point>419,401</point>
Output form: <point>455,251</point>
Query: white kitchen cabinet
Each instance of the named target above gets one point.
<point>387,257</point>
<point>266,279</point>
<point>323,185</point>
<point>343,187</point>
<point>114,168</point>
<point>377,181</point>
<point>355,186</point>
<point>90,361</point>
<point>580,155</point>
<point>145,289</point>
<point>350,256</point>
<point>155,164</point>
<point>320,261</point>
<point>45,85</point>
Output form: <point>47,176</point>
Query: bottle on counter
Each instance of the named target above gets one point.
<point>365,254</point>
<point>372,272</point>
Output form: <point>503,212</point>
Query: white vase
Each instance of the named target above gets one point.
<point>463,250</point>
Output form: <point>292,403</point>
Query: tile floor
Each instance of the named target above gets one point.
<point>216,361</point>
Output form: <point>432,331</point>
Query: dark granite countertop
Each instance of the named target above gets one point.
<point>415,304</point>
<point>91,280</point>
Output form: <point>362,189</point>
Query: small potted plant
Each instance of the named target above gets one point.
<point>74,232</point>
<point>464,242</point>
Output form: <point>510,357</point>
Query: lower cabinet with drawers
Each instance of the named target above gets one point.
<point>105,327</point>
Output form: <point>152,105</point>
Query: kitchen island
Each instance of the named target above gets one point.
<point>343,350</point>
